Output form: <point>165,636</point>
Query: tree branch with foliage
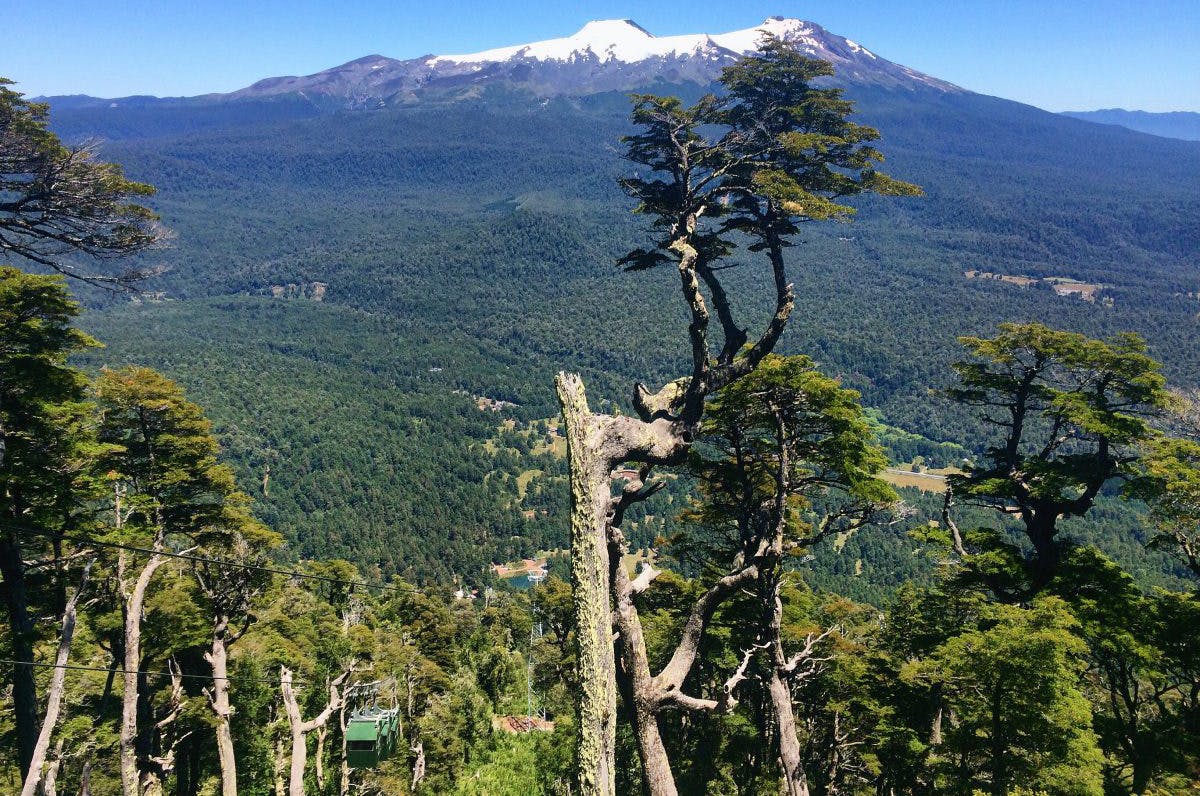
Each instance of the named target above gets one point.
<point>58,201</point>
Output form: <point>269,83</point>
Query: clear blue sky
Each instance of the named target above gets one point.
<point>1057,54</point>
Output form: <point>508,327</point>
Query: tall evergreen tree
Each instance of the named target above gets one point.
<point>166,484</point>
<point>44,434</point>
<point>787,459</point>
<point>1017,718</point>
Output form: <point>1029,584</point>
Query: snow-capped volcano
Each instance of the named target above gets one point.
<point>603,55</point>
<point>626,41</point>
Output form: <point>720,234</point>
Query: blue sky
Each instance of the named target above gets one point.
<point>1059,55</point>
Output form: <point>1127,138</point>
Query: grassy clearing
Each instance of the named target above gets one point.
<point>927,481</point>
<point>524,479</point>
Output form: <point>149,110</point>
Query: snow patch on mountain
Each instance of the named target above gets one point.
<point>625,41</point>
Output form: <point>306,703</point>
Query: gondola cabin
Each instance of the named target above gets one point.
<point>371,737</point>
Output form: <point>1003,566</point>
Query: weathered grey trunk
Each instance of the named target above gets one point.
<point>662,432</point>
<point>590,498</point>
<point>50,778</point>
<point>159,767</point>
<point>344,783</point>
<point>795,779</point>
<point>152,784</point>
<point>595,445</point>
<point>34,774</point>
<point>218,701</point>
<point>85,779</point>
<point>642,690</point>
<point>300,728</point>
<point>795,783</point>
<point>134,605</point>
<point>322,732</point>
<point>418,773</point>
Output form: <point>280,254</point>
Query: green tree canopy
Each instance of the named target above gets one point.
<point>1172,485</point>
<point>1066,415</point>
<point>1017,716</point>
<point>163,456</point>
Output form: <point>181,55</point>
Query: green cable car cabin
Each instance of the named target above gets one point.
<point>371,736</point>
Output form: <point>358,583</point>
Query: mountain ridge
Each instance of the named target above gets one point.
<point>1183,125</point>
<point>602,56</point>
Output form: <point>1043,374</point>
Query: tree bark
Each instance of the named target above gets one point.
<point>418,772</point>
<point>794,778</point>
<point>590,496</point>
<point>320,758</point>
<point>656,764</point>
<point>667,423</point>
<point>85,779</point>
<point>218,701</point>
<point>135,603</point>
<point>57,685</point>
<point>344,782</point>
<point>595,445</point>
<point>159,766</point>
<point>50,778</point>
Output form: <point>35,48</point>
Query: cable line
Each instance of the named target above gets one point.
<point>237,679</point>
<point>218,561</point>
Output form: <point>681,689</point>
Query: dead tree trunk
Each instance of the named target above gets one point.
<point>50,778</point>
<point>596,444</point>
<point>785,672</point>
<point>34,773</point>
<point>322,731</point>
<point>597,701</point>
<point>300,728</point>
<point>795,782</point>
<point>640,687</point>
<point>344,782</point>
<point>667,421</point>
<point>652,694</point>
<point>418,765</point>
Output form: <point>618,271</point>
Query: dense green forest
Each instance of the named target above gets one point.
<point>256,501</point>
<point>492,223</point>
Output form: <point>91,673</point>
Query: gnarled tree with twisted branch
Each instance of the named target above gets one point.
<point>731,173</point>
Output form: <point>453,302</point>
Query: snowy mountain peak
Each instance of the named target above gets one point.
<point>625,41</point>
<point>603,55</point>
<point>607,30</point>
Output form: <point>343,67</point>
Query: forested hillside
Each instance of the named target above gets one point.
<point>496,222</point>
